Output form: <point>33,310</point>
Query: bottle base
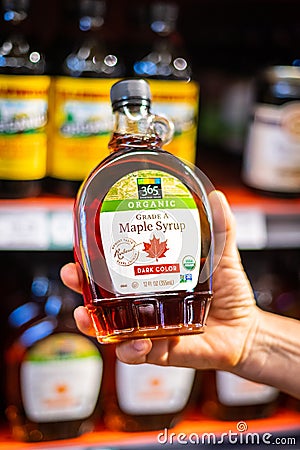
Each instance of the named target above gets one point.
<point>152,316</point>
<point>115,421</point>
<point>24,430</point>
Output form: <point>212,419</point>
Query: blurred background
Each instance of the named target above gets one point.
<point>227,73</point>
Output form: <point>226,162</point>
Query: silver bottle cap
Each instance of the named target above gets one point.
<point>131,90</point>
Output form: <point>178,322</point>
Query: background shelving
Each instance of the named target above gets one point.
<point>228,42</point>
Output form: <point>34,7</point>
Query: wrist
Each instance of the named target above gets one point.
<point>256,350</point>
<point>272,353</point>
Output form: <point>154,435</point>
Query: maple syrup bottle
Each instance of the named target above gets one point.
<point>159,397</point>
<point>175,94</point>
<point>81,118</point>
<point>23,108</point>
<point>53,372</point>
<point>143,235</point>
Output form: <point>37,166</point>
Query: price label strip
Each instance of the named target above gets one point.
<point>251,228</point>
<point>35,230</point>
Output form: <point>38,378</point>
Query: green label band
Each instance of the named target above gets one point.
<point>135,204</point>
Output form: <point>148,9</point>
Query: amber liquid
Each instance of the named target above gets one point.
<point>117,317</point>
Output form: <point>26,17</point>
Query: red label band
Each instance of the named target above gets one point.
<point>156,269</point>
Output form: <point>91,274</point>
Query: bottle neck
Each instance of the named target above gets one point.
<point>134,127</point>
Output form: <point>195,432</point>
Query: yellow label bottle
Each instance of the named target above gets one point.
<point>23,110</point>
<point>178,101</point>
<point>175,93</point>
<point>81,117</point>
<point>80,127</point>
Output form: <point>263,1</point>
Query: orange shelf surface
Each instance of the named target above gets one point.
<point>284,423</point>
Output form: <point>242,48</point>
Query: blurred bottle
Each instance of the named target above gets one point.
<point>23,108</point>
<point>174,93</point>
<point>235,108</point>
<point>230,397</point>
<point>277,288</point>
<point>81,116</point>
<point>226,103</point>
<point>145,397</point>
<point>53,372</point>
<point>271,162</point>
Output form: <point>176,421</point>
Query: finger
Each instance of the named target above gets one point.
<point>71,277</point>
<point>83,321</point>
<point>224,226</point>
<point>134,352</point>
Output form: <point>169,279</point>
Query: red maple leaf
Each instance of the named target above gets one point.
<point>155,248</point>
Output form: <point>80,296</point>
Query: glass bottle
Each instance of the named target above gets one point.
<point>53,372</point>
<point>143,235</point>
<point>271,160</point>
<point>160,396</point>
<point>230,397</point>
<point>169,72</point>
<point>23,109</point>
<point>81,118</point>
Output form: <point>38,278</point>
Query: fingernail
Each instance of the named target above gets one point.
<point>139,345</point>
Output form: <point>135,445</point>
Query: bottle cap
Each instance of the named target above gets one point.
<point>132,90</point>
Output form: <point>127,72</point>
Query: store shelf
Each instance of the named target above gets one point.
<point>196,430</point>
<point>263,221</point>
<point>45,223</point>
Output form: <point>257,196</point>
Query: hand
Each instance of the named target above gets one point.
<point>231,322</point>
<point>239,337</point>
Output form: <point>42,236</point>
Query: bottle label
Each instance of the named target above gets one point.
<point>81,123</point>
<point>154,239</point>
<point>178,101</point>
<point>236,391</point>
<point>60,378</point>
<point>151,389</point>
<point>23,120</point>
<point>272,159</point>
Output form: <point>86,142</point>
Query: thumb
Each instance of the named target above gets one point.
<point>224,227</point>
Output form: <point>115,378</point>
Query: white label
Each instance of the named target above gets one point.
<point>236,391</point>
<point>18,116</point>
<point>272,155</point>
<point>151,389</point>
<point>61,388</point>
<point>88,118</point>
<point>154,241</point>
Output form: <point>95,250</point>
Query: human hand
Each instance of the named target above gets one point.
<point>231,322</point>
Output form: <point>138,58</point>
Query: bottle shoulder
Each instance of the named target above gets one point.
<point>119,169</point>
<point>125,161</point>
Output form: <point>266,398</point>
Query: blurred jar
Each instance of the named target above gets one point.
<point>272,154</point>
